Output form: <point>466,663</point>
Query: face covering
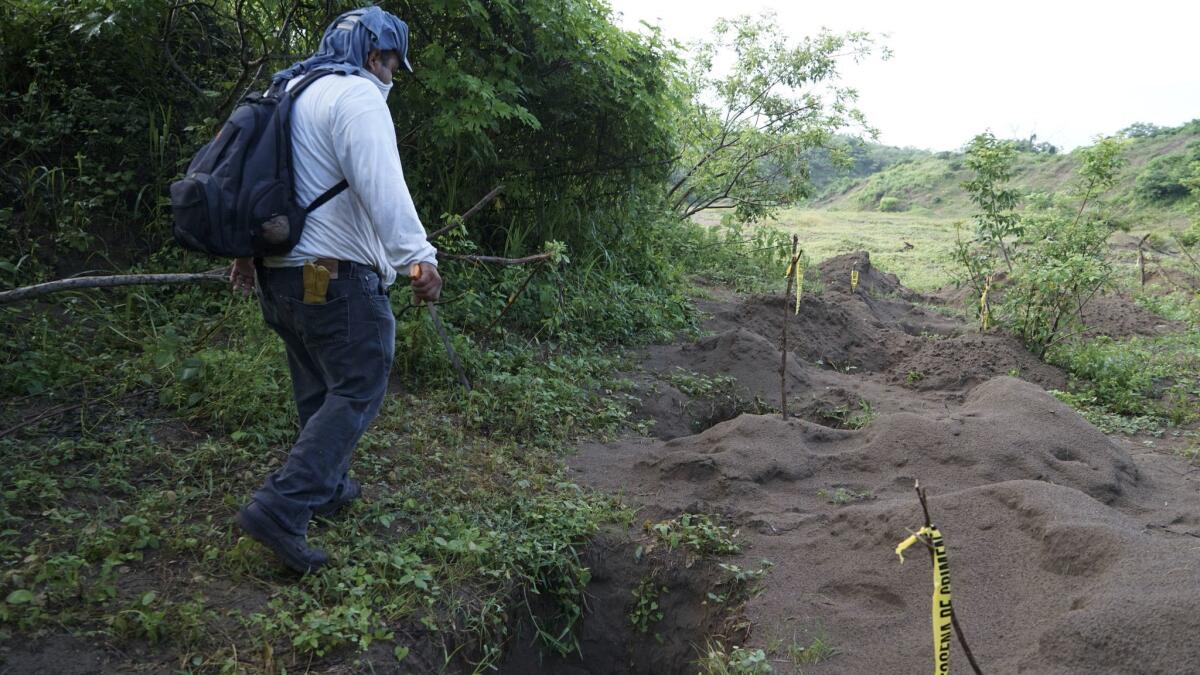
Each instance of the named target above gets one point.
<point>383,88</point>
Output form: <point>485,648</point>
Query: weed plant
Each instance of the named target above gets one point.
<point>717,659</point>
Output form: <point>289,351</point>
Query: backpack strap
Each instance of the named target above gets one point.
<point>305,80</point>
<point>293,93</point>
<point>327,195</point>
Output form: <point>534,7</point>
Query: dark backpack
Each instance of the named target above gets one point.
<point>237,199</point>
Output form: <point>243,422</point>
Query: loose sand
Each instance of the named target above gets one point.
<point>1071,552</point>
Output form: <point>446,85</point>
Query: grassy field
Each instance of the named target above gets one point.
<point>924,266</point>
<point>934,183</point>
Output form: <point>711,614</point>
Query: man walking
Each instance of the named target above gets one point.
<point>327,298</point>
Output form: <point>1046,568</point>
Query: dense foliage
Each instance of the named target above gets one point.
<point>837,167</point>
<point>569,112</point>
<point>1149,187</point>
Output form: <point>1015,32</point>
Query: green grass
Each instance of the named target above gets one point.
<point>924,267</point>
<point>842,495</point>
<point>1138,377</point>
<point>717,659</point>
<point>816,650</point>
<point>122,534</point>
<point>116,524</point>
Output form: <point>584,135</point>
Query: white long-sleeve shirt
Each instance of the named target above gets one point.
<point>341,128</point>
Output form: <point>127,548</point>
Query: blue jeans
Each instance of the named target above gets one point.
<point>339,354</point>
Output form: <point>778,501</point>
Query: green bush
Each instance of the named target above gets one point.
<point>510,93</point>
<point>1162,179</point>
<point>1113,373</point>
<point>1064,263</point>
<point>892,205</point>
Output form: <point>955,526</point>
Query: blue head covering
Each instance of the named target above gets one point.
<point>349,39</point>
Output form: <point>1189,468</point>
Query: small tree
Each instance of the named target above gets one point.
<point>992,161</point>
<point>1063,262</point>
<point>745,134</point>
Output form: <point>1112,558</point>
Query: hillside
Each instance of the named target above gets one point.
<point>933,182</point>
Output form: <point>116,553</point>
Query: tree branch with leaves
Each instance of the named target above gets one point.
<point>745,134</point>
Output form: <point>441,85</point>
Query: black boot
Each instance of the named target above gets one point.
<point>292,549</point>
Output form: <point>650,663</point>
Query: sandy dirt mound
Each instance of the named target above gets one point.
<point>760,468</point>
<point>1118,317</point>
<point>1071,552</point>
<point>739,353</point>
<point>835,274</point>
<point>847,352</point>
<point>833,330</point>
<point>959,363</point>
<point>1049,576</point>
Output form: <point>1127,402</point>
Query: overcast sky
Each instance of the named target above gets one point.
<point>1067,71</point>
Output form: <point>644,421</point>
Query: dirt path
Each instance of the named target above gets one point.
<point>1070,552</point>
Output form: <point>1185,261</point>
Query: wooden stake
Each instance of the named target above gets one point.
<point>1142,260</point>
<point>787,305</point>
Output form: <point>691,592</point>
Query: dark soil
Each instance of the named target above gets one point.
<point>609,642</point>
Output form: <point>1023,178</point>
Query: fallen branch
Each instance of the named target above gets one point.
<point>38,290</point>
<point>512,299</point>
<point>496,260</point>
<point>45,414</point>
<point>470,212</point>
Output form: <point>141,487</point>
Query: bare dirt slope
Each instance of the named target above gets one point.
<point>1071,552</point>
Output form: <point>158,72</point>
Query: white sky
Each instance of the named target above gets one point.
<point>1067,71</point>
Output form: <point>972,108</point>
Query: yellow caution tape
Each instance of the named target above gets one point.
<point>853,280</point>
<point>942,611</point>
<point>799,279</point>
<point>985,313</point>
<point>799,286</point>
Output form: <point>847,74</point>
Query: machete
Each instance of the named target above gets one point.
<point>415,273</point>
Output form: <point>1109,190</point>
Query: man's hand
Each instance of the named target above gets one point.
<point>426,282</point>
<point>241,275</point>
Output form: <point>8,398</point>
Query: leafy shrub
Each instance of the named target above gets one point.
<point>744,257</point>
<point>1162,179</point>
<point>892,205</point>
<point>1064,262</point>
<point>1114,374</point>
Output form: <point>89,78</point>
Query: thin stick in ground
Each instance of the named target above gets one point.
<point>958,631</point>
<point>787,294</point>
